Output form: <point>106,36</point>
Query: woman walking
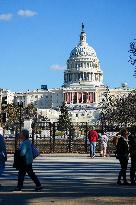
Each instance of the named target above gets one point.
<point>26,159</point>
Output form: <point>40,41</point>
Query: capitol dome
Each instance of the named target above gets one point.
<point>82,50</point>
<point>83,65</point>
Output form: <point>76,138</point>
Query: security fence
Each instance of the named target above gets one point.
<point>49,138</point>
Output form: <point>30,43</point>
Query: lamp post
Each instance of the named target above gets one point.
<point>20,105</point>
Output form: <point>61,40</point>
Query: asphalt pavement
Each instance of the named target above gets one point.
<point>69,179</point>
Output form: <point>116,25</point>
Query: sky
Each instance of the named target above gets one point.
<point>37,36</point>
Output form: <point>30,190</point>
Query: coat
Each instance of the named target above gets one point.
<point>132,144</point>
<point>122,150</point>
<point>104,140</point>
<point>93,136</point>
<point>3,154</point>
<point>26,150</point>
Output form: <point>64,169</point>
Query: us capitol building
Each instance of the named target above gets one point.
<point>82,92</point>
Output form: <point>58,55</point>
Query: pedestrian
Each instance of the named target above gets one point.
<point>132,150</point>
<point>26,160</point>
<point>93,138</point>
<point>115,139</point>
<point>122,153</point>
<point>104,143</point>
<point>3,154</point>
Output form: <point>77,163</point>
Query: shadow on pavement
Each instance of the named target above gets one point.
<point>67,180</point>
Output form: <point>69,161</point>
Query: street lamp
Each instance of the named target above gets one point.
<point>20,105</point>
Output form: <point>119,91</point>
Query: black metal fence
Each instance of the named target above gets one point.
<point>50,139</point>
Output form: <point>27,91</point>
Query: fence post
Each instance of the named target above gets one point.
<point>50,125</point>
<point>16,135</point>
<point>33,127</point>
<point>86,137</point>
<point>53,136</point>
<point>69,147</point>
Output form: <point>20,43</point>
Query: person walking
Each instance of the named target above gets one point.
<point>132,150</point>
<point>93,138</point>
<point>104,143</point>
<point>122,153</point>
<point>3,154</point>
<point>26,160</point>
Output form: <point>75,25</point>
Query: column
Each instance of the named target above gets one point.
<point>78,76</point>
<point>87,97</point>
<point>69,76</point>
<point>72,97</point>
<point>85,76</point>
<point>88,77</point>
<point>94,97</point>
<point>64,97</point>
<point>69,97</point>
<point>99,77</point>
<point>82,75</point>
<point>75,76</point>
<point>77,98</point>
<point>91,76</point>
<point>82,97</point>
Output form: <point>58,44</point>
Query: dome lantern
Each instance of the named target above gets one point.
<point>82,36</point>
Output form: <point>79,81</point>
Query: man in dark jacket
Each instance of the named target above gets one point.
<point>122,154</point>
<point>93,138</point>
<point>132,150</point>
<point>3,155</point>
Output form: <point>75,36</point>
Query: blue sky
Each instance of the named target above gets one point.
<point>37,36</point>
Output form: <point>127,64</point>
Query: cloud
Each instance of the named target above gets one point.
<point>26,13</point>
<point>57,67</point>
<point>6,17</point>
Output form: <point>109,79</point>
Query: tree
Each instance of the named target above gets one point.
<point>118,111</point>
<point>132,57</point>
<point>65,125</point>
<point>64,122</point>
<point>15,115</point>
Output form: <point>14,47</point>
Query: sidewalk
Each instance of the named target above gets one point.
<point>70,180</point>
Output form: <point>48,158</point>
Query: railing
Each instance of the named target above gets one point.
<point>50,139</point>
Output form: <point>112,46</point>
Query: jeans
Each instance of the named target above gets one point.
<point>92,148</point>
<point>22,172</point>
